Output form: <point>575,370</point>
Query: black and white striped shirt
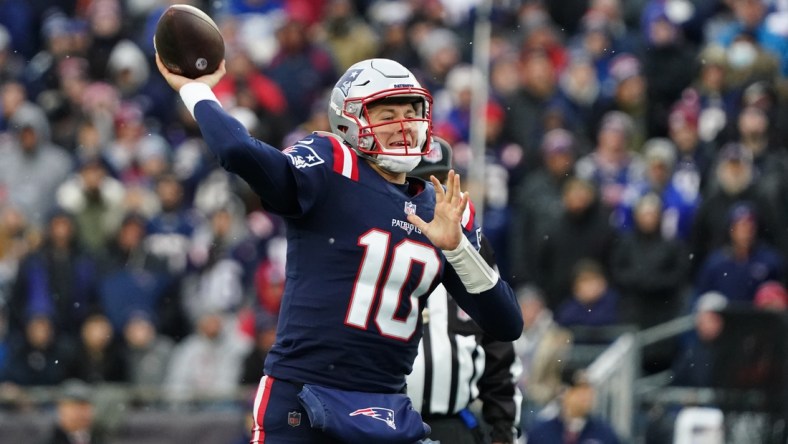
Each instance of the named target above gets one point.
<point>457,364</point>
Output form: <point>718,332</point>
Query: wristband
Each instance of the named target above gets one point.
<point>194,92</point>
<point>473,271</point>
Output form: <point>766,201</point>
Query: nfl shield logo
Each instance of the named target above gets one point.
<point>294,419</point>
<point>410,208</point>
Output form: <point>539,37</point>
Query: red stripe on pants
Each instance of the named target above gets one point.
<point>260,405</point>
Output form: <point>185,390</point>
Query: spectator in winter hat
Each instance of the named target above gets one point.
<point>626,91</point>
<point>613,164</point>
<point>75,416</point>
<point>695,365</point>
<point>739,267</point>
<point>538,208</point>
<point>33,167</point>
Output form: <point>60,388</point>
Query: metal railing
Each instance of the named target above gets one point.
<point>615,374</point>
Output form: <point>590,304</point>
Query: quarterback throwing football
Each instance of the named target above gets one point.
<point>361,256</point>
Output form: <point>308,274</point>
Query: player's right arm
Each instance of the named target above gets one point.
<point>261,165</point>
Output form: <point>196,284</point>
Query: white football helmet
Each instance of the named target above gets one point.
<point>371,81</point>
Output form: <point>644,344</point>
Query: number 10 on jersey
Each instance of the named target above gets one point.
<point>371,283</point>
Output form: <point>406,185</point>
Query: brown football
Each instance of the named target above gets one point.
<point>188,41</point>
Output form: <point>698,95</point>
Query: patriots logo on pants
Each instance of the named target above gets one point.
<point>379,413</point>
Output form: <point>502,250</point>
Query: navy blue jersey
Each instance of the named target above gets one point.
<point>358,272</point>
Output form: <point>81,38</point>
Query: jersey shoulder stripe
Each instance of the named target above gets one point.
<point>344,159</point>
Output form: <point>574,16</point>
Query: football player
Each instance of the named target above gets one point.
<point>361,258</point>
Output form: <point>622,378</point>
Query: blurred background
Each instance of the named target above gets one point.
<point>627,157</point>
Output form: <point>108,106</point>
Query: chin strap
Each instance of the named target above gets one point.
<point>472,269</point>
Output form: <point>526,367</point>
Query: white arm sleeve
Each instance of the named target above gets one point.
<point>193,92</point>
<point>472,269</point>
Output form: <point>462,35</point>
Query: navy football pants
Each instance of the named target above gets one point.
<point>279,417</point>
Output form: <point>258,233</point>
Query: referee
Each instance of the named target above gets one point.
<point>458,364</point>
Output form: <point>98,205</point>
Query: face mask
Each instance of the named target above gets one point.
<point>398,164</point>
<point>742,54</point>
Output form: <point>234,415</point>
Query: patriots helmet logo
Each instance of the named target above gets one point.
<point>346,81</point>
<point>379,413</point>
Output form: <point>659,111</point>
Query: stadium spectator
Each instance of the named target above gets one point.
<point>12,95</point>
<point>136,155</point>
<point>95,199</point>
<point>206,365</point>
<point>146,353</point>
<point>582,232</point>
<point>669,64</point>
<point>734,182</point>
<point>38,356</point>
<point>246,86</point>
<point>349,37</point>
<point>439,52</point>
<point>593,301</point>
<point>738,268</point>
<point>694,158</point>
<point>33,167</point>
<point>651,272</point>
<point>596,40</point>
<point>580,95</point>
<point>11,63</point>
<point>543,349</point>
<point>104,19</point>
<point>133,279</point>
<point>169,232</point>
<point>716,99</point>
<point>301,68</point>
<point>659,159</point>
<point>525,110</point>
<point>75,420</point>
<point>750,19</point>
<point>98,353</point>
<point>58,279</point>
<point>769,157</point>
<point>16,242</point>
<point>614,163</point>
<point>214,281</point>
<point>695,364</point>
<point>626,93</point>
<point>575,422</point>
<point>538,206</point>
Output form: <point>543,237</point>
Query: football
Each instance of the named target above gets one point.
<point>188,41</point>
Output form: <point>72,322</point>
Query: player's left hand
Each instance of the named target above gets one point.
<point>444,231</point>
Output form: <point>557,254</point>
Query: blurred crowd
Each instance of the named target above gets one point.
<point>635,164</point>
